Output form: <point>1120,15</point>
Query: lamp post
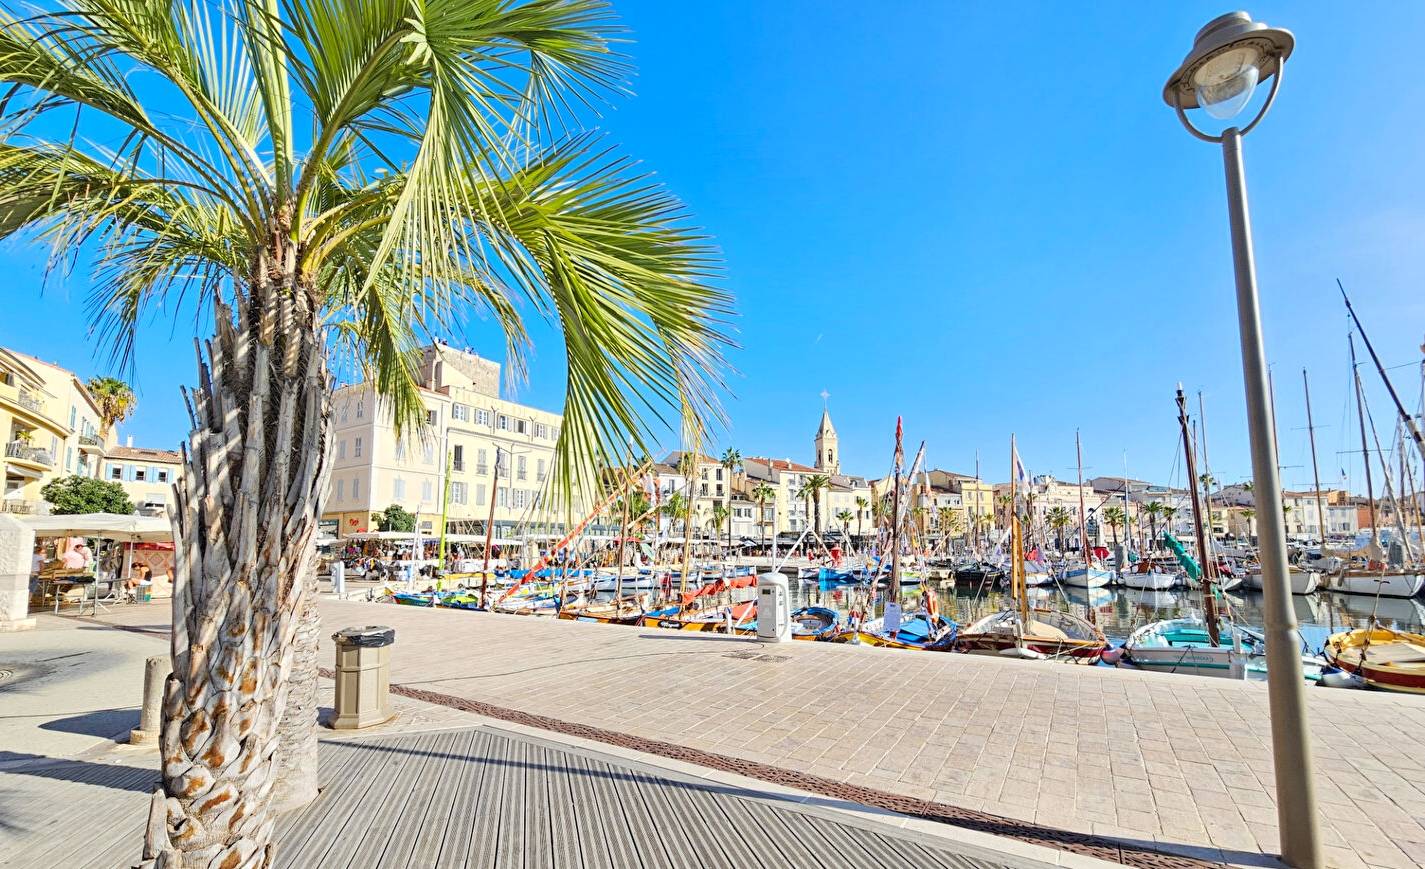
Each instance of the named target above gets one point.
<point>1229,58</point>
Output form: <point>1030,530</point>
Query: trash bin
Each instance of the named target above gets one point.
<point>363,677</point>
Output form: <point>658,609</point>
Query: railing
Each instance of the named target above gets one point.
<point>91,440</point>
<point>30,401</point>
<point>482,469</point>
<point>20,505</point>
<point>24,452</point>
<point>457,464</point>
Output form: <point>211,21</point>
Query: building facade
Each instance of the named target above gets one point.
<point>147,475</point>
<point>51,428</point>
<point>475,447</point>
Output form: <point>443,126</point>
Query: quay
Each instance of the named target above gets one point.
<point>1131,766</point>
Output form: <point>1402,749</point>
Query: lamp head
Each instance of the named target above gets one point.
<point>1229,58</point>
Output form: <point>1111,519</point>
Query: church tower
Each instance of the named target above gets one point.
<point>828,458</point>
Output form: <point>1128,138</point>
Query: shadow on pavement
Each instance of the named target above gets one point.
<point>103,723</point>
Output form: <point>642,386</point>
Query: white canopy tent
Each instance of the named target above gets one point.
<point>107,526</point>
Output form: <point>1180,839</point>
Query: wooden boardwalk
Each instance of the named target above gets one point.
<point>475,797</point>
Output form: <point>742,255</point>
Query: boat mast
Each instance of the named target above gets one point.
<point>490,527</point>
<point>1389,387</point>
<point>1083,525</point>
<point>1207,472</point>
<point>1016,551</point>
<point>1315,472</point>
<point>894,587</point>
<point>1209,567</point>
<point>1365,450</point>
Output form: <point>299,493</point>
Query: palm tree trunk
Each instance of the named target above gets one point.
<point>256,468</point>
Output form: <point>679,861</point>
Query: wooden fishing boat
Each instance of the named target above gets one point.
<point>1048,634</point>
<point>1386,583</point>
<point>1086,577</point>
<point>1184,646</point>
<point>417,598</point>
<point>814,623</point>
<point>916,631</point>
<point>1302,581</point>
<point>1151,580</point>
<point>628,611</point>
<point>1384,658</point>
<point>712,619</point>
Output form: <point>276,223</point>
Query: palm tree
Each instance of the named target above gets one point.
<point>1154,509</point>
<point>861,505</point>
<point>720,514</point>
<point>116,402</point>
<point>811,490</point>
<point>844,517</point>
<point>1059,518</point>
<point>1115,517</point>
<point>762,494</point>
<point>349,177</point>
<point>731,462</point>
<point>675,508</point>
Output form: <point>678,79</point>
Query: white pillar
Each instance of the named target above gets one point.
<point>17,546</point>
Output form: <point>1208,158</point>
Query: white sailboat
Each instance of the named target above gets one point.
<point>1302,581</point>
<point>1152,580</point>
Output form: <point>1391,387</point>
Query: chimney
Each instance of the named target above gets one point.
<point>129,442</point>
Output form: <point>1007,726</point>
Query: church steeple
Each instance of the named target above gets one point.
<point>828,460</point>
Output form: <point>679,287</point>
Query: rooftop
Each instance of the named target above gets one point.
<point>144,454</point>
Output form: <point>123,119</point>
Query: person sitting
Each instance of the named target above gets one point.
<point>141,577</point>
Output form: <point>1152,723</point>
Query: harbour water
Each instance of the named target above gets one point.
<point>1118,611</point>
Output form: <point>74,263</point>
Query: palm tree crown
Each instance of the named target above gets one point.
<point>115,399</point>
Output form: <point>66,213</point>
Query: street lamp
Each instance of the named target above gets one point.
<point>1230,57</point>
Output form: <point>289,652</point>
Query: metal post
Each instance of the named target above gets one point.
<point>1286,687</point>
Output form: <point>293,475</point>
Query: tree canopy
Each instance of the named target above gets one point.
<point>75,494</point>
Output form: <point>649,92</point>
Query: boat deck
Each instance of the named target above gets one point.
<point>477,796</point>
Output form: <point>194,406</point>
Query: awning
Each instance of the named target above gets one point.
<point>107,526</point>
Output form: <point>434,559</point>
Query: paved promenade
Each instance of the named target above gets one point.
<point>1180,762</point>
<point>437,786</point>
<point>480,796</point>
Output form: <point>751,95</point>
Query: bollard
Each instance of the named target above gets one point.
<point>155,673</point>
<point>338,575</point>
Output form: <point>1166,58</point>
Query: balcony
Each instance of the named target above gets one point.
<point>22,452</point>
<point>457,464</point>
<point>29,403</point>
<point>91,443</point>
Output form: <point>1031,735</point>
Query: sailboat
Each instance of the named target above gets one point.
<point>1376,577</point>
<point>1204,645</point>
<point>1090,574</point>
<point>1022,632</point>
<point>1303,581</point>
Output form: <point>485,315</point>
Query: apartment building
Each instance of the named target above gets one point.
<point>475,446</point>
<point>50,425</point>
<point>147,475</point>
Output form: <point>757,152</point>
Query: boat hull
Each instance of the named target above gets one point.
<point>1182,646</point>
<point>1302,581</point>
<point>1392,660</point>
<point>1386,585</point>
<point>1092,577</point>
<point>1051,634</point>
<point>1154,581</point>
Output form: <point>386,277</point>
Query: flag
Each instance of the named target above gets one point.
<point>1021,476</point>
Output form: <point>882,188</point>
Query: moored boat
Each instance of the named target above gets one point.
<point>628,611</point>
<point>1384,658</point>
<point>1086,577</point>
<point>1047,634</point>
<point>1185,646</point>
<point>1153,580</point>
<point>815,623</point>
<point>1302,581</point>
<point>1386,583</point>
<point>919,630</point>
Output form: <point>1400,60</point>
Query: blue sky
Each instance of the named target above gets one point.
<point>983,217</point>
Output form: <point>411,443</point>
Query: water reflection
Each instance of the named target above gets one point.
<point>1118,611</point>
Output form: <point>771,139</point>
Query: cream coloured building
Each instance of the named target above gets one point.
<point>147,475</point>
<point>50,426</point>
<point>468,426</point>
